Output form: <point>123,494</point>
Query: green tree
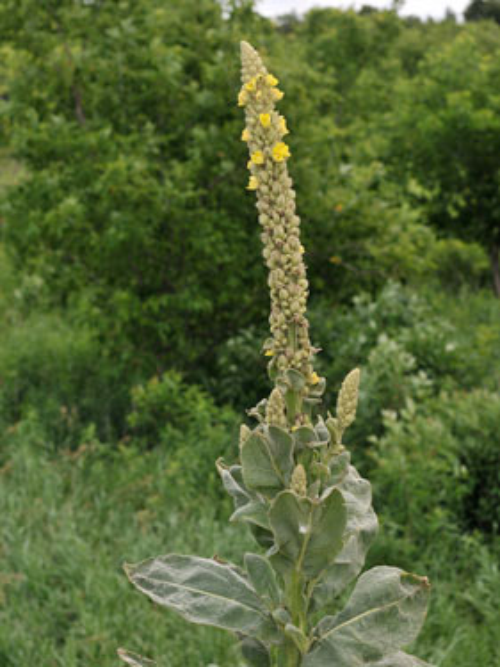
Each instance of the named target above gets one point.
<point>444,131</point>
<point>483,9</point>
<point>119,111</point>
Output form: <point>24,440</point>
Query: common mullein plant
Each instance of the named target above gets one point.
<point>294,485</point>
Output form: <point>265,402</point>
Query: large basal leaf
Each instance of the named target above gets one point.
<point>255,653</point>
<point>361,529</point>
<point>385,612</point>
<point>400,659</point>
<point>267,460</point>
<point>133,659</point>
<point>308,533</point>
<point>206,592</point>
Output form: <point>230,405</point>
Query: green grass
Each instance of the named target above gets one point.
<point>69,523</point>
<point>70,520</point>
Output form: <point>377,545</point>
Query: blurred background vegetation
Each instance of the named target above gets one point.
<point>133,302</point>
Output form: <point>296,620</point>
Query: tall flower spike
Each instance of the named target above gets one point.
<point>265,128</point>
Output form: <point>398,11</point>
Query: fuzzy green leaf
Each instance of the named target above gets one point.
<point>360,532</point>
<point>253,512</point>
<point>263,578</point>
<point>282,447</point>
<point>255,652</point>
<point>249,506</point>
<point>400,659</point>
<point>267,460</point>
<point>206,592</point>
<point>297,636</point>
<point>307,436</point>
<point>308,533</point>
<point>385,612</point>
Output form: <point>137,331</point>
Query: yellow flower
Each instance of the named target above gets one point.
<point>302,249</point>
<point>249,164</point>
<point>282,125</point>
<point>277,94</point>
<point>314,378</point>
<point>250,86</point>
<point>336,259</point>
<point>271,80</point>
<point>257,157</point>
<point>253,183</point>
<point>294,428</point>
<point>242,98</point>
<point>245,135</point>
<point>265,119</point>
<point>269,353</point>
<point>280,152</point>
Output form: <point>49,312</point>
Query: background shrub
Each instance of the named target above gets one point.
<point>183,422</point>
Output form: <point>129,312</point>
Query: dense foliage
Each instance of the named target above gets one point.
<point>130,211</point>
<point>131,282</point>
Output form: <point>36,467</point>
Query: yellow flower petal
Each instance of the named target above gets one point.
<point>282,125</point>
<point>250,86</point>
<point>257,157</point>
<point>314,378</point>
<point>271,80</point>
<point>336,259</point>
<point>242,98</point>
<point>269,353</point>
<point>245,135</point>
<point>280,152</point>
<point>265,119</point>
<point>277,94</point>
<point>253,183</point>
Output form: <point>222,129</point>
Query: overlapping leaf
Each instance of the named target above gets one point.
<point>308,534</point>
<point>361,529</point>
<point>263,578</point>
<point>255,653</point>
<point>385,612</point>
<point>251,508</point>
<point>400,659</point>
<point>206,592</point>
<point>267,460</point>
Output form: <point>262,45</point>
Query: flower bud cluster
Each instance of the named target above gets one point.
<point>283,251</point>
<point>299,480</point>
<point>275,409</point>
<point>347,400</point>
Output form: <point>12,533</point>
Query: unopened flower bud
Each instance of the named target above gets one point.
<point>275,409</point>
<point>299,480</point>
<point>347,400</point>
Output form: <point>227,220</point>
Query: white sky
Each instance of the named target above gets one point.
<point>423,8</point>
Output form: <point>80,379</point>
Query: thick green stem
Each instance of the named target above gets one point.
<point>288,655</point>
<point>296,602</point>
